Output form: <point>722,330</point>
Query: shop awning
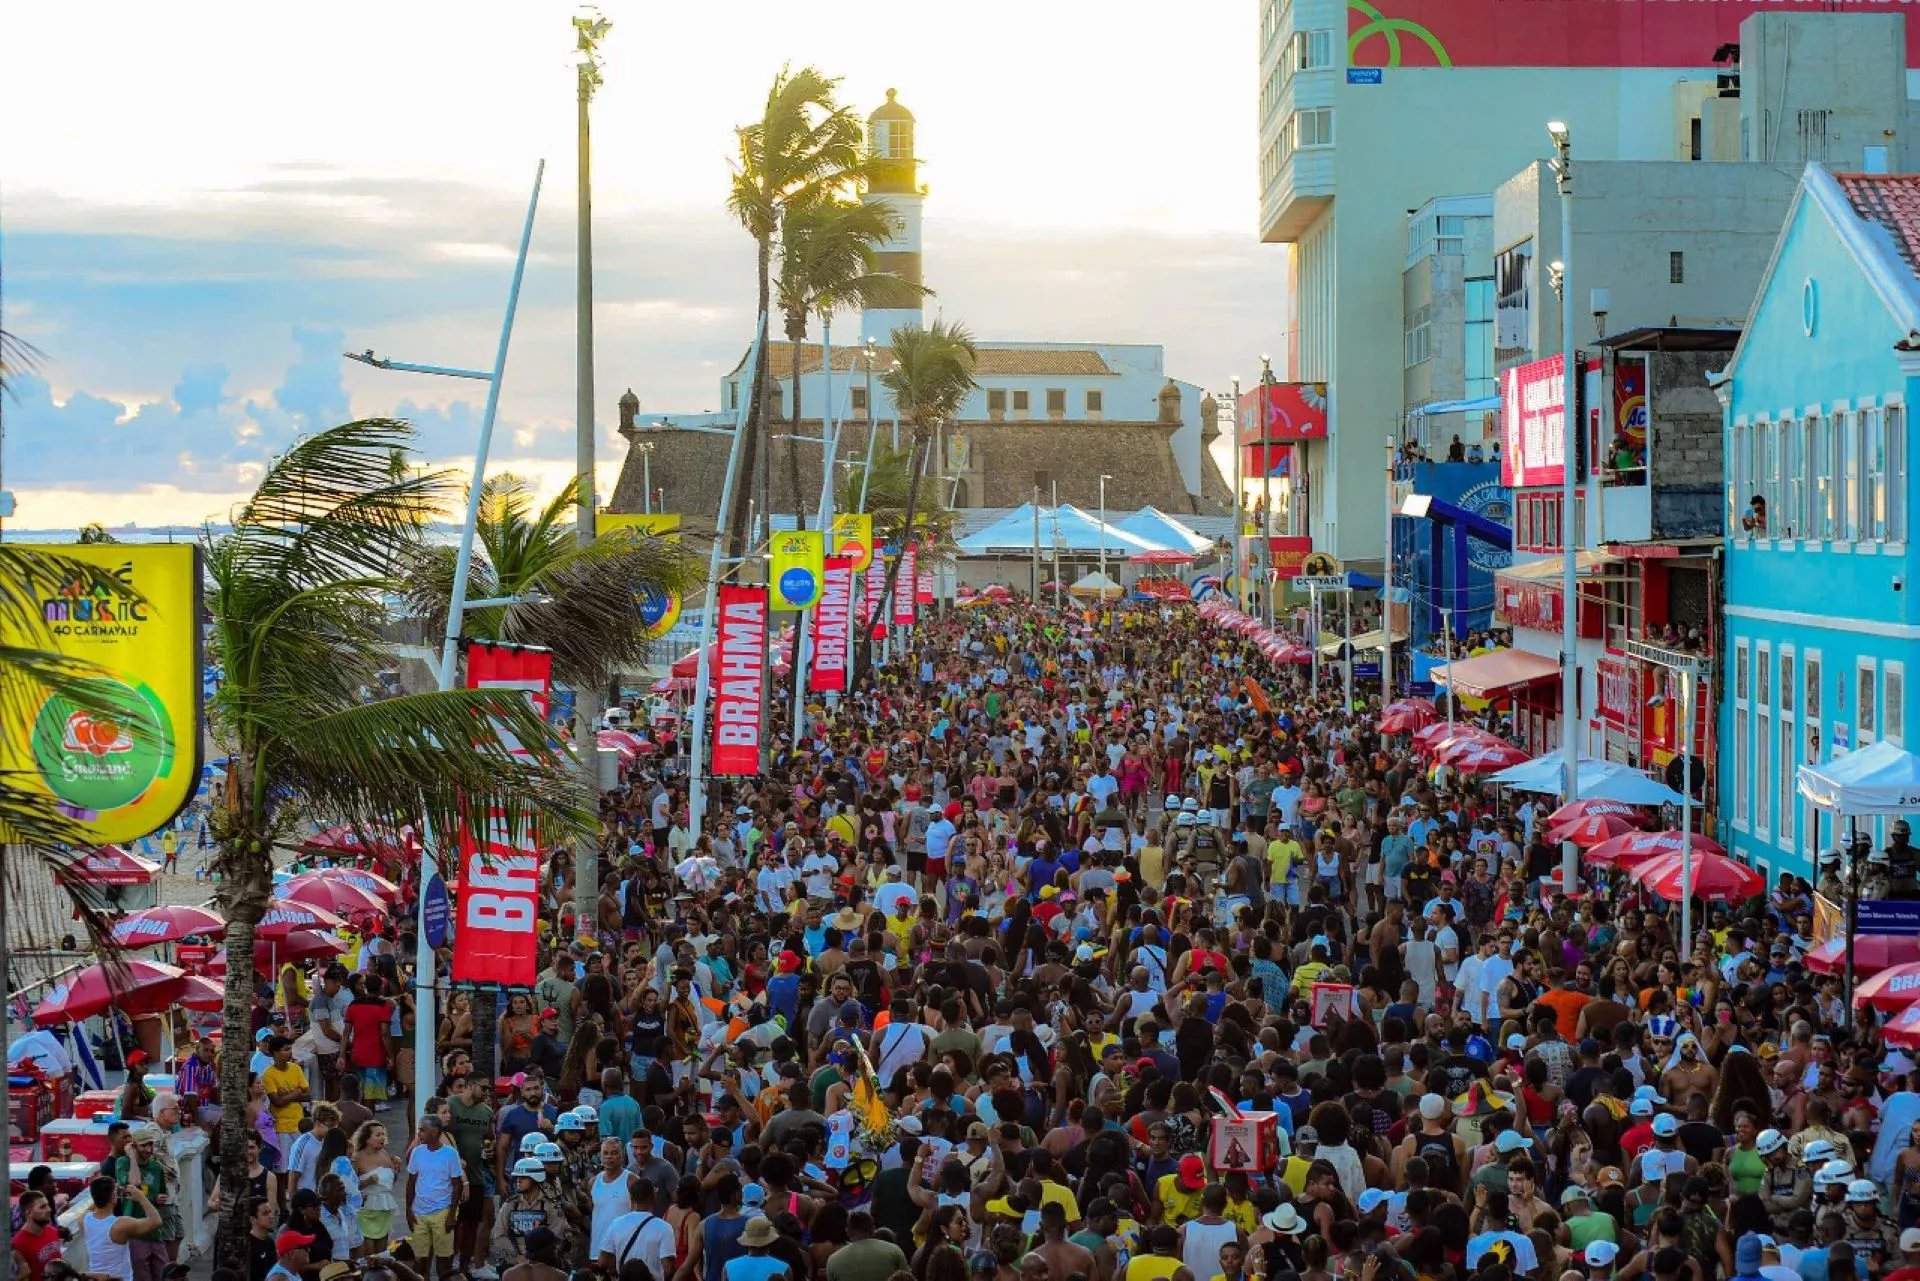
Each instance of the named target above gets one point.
<point>1549,568</point>
<point>1364,642</point>
<point>1494,673</point>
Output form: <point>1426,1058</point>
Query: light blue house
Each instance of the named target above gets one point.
<point>1822,624</point>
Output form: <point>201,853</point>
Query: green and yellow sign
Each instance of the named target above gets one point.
<point>659,524</point>
<point>853,537</point>
<point>797,568</point>
<point>119,754</point>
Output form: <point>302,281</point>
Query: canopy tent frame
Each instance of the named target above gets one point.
<point>1874,782</point>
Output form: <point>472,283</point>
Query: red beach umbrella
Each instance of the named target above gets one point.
<point>156,925</point>
<point>136,987</point>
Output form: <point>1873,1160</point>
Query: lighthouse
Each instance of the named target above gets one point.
<point>895,181</point>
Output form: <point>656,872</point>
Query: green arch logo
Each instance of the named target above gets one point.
<point>1391,29</point>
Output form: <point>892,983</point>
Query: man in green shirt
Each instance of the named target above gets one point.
<point>472,1127</point>
<point>864,1257</point>
<point>1584,1226</point>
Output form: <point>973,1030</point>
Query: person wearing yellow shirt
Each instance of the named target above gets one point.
<point>841,825</point>
<point>1283,851</point>
<point>1312,968</point>
<point>1164,1259</point>
<point>1179,1192</point>
<point>900,923</point>
<point>286,1085</point>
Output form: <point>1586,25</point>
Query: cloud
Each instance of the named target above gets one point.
<point>186,346</point>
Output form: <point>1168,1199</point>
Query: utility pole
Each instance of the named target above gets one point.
<point>1569,532</point>
<point>1239,499</point>
<point>589,30</point>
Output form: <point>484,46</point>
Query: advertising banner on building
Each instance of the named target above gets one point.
<point>1557,33</point>
<point>796,557</point>
<point>496,938</point>
<point>922,586</point>
<point>903,590</point>
<point>659,524</point>
<point>1273,415</point>
<point>659,613</point>
<point>832,627</point>
<point>1287,553</point>
<point>1532,408</point>
<point>853,538</point>
<point>737,682</point>
<point>1619,701</point>
<point>120,754</point>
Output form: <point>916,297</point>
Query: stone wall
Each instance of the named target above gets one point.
<point>1007,460</point>
<point>1689,448</point>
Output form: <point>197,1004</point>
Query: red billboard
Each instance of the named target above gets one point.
<point>1532,412</point>
<point>903,587</point>
<point>736,703</point>
<point>831,626</point>
<point>1561,33</point>
<point>875,598</point>
<point>1275,413</point>
<point>1288,553</point>
<point>1619,701</point>
<point>497,936</point>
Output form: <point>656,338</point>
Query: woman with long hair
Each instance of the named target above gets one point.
<point>518,1027</point>
<point>1742,1086</point>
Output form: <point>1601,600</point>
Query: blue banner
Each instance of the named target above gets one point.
<point>1447,559</point>
<point>1888,916</point>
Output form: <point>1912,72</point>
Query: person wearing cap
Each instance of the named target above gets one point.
<point>1177,1195</point>
<point>1597,1256</point>
<point>527,1113</point>
<point>1666,1153</point>
<point>1444,1152</point>
<point>1585,1223</point>
<point>1909,1261</point>
<point>294,1249</point>
<point>524,1209</point>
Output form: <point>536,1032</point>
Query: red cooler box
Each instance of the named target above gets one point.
<point>70,1178</point>
<point>72,1139</point>
<point>96,1103</point>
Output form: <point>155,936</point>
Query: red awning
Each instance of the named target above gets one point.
<point>1491,674</point>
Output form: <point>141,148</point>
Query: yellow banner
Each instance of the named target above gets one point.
<point>796,571</point>
<point>1829,920</point>
<point>119,778</point>
<point>853,536</point>
<point>660,524</point>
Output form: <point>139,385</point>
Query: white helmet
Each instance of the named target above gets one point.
<point>587,1114</point>
<point>1189,804</point>
<point>1863,1192</point>
<point>1185,820</point>
<point>1173,802</point>
<point>550,1152</point>
<point>530,1142</point>
<point>1769,1142</point>
<point>1834,1174</point>
<point>1879,856</point>
<point>529,1167</point>
<point>568,1123</point>
<point>1828,857</point>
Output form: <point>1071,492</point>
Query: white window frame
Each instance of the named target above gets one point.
<point>1321,119</point>
<point>1809,703</point>
<point>1865,730</point>
<point>1873,482</point>
<point>1896,425</point>
<point>1820,464</point>
<point>1738,477</point>
<point>1742,659</point>
<point>1763,781</point>
<point>1893,727</point>
<point>1847,448</point>
<point>1787,755</point>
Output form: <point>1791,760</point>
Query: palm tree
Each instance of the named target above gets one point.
<point>931,375</point>
<point>295,602</point>
<point>588,616</point>
<point>804,150</point>
<point>886,491</point>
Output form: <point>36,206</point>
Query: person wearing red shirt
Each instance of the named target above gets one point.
<point>38,1240</point>
<point>1639,1136</point>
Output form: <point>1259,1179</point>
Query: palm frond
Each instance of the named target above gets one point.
<point>591,620</point>
<point>828,257</point>
<point>932,373</point>
<point>333,506</point>
<point>451,757</point>
<point>16,356</point>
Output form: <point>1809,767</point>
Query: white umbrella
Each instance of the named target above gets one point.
<point>1630,786</point>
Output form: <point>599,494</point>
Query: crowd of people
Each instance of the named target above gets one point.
<point>975,981</point>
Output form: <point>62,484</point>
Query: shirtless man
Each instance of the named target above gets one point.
<point>1692,1074</point>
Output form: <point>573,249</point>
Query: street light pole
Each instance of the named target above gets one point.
<point>589,29</point>
<point>1103,524</point>
<point>1569,535</point>
<point>425,1024</point>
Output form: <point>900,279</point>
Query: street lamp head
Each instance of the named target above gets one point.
<point>1557,276</point>
<point>1557,130</point>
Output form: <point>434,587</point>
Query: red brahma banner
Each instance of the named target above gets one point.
<point>738,680</point>
<point>496,935</point>
<point>876,597</point>
<point>832,626</point>
<point>903,588</point>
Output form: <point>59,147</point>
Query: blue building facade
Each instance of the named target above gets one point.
<point>1446,560</point>
<point>1822,625</point>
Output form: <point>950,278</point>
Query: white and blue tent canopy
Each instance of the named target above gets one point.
<point>1878,779</point>
<point>1065,528</point>
<point>1156,526</point>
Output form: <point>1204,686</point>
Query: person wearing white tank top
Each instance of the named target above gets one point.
<point>612,1190</point>
<point>1201,1238</point>
<point>107,1233</point>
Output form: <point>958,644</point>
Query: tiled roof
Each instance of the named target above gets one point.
<point>993,361</point>
<point>1893,202</point>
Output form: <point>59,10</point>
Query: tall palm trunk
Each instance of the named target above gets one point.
<point>756,426</point>
<point>245,862</point>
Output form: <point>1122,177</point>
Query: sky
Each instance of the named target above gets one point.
<point>220,198</point>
